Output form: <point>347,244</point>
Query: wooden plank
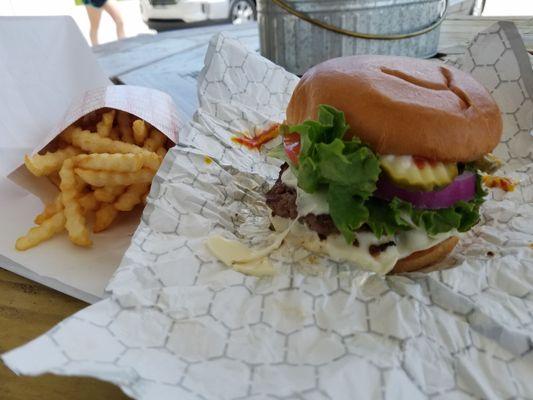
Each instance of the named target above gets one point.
<point>456,32</point>
<point>27,310</point>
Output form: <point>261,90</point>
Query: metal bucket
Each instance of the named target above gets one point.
<point>298,34</point>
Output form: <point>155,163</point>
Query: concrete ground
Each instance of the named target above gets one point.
<point>131,15</point>
<point>134,24</point>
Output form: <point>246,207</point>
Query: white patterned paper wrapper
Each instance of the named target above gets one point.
<point>180,325</point>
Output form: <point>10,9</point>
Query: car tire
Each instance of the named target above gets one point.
<point>242,11</point>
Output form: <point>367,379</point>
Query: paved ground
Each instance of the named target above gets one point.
<point>129,8</point>
<point>135,25</point>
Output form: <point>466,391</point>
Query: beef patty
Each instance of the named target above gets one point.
<point>282,201</point>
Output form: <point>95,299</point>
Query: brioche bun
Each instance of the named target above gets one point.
<point>403,106</point>
<point>425,258</point>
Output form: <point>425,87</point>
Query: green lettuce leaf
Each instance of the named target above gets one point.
<point>356,167</point>
<point>308,175</point>
<point>347,210</point>
<point>387,218</point>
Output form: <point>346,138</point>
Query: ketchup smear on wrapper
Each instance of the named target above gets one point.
<point>258,140</point>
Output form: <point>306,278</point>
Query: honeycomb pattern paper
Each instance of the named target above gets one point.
<point>180,325</point>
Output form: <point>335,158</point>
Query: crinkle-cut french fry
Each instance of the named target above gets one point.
<point>131,197</point>
<point>114,134</point>
<point>80,184</point>
<point>161,152</point>
<point>110,162</point>
<point>103,128</point>
<point>38,234</point>
<point>150,160</point>
<point>75,220</point>
<point>88,202</point>
<point>93,143</point>
<point>75,223</point>
<point>108,194</point>
<point>155,141</point>
<point>106,178</point>
<point>140,131</point>
<point>55,179</point>
<point>40,165</point>
<point>104,217</point>
<point>124,125</point>
<point>49,210</point>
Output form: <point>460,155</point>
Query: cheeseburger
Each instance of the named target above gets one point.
<point>382,160</point>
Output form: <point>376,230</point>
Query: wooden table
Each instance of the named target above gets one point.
<point>169,62</point>
<point>27,310</point>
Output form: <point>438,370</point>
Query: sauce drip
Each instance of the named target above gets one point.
<point>258,140</point>
<point>492,181</point>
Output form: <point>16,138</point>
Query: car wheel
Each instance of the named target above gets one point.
<point>242,11</point>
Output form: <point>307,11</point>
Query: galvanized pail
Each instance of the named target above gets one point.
<point>298,34</point>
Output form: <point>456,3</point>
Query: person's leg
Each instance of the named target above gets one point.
<point>112,9</point>
<point>94,19</point>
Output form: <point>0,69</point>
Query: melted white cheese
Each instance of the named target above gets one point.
<point>243,259</point>
<point>336,248</point>
<point>306,203</point>
<point>289,179</point>
<point>259,268</point>
<point>240,257</point>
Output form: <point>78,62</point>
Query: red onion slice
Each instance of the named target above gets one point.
<point>462,188</point>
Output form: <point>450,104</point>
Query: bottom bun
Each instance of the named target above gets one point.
<point>425,258</point>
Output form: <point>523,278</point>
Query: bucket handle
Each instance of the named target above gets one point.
<point>360,35</point>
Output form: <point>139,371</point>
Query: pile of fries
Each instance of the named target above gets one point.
<point>102,164</point>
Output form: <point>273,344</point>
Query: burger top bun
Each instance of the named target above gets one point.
<point>403,106</point>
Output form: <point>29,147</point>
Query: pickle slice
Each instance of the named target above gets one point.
<point>417,173</point>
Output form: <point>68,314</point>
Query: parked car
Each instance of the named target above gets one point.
<point>166,14</point>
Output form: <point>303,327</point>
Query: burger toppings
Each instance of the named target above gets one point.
<point>463,188</point>
<point>347,174</point>
<point>418,173</point>
<point>281,199</point>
